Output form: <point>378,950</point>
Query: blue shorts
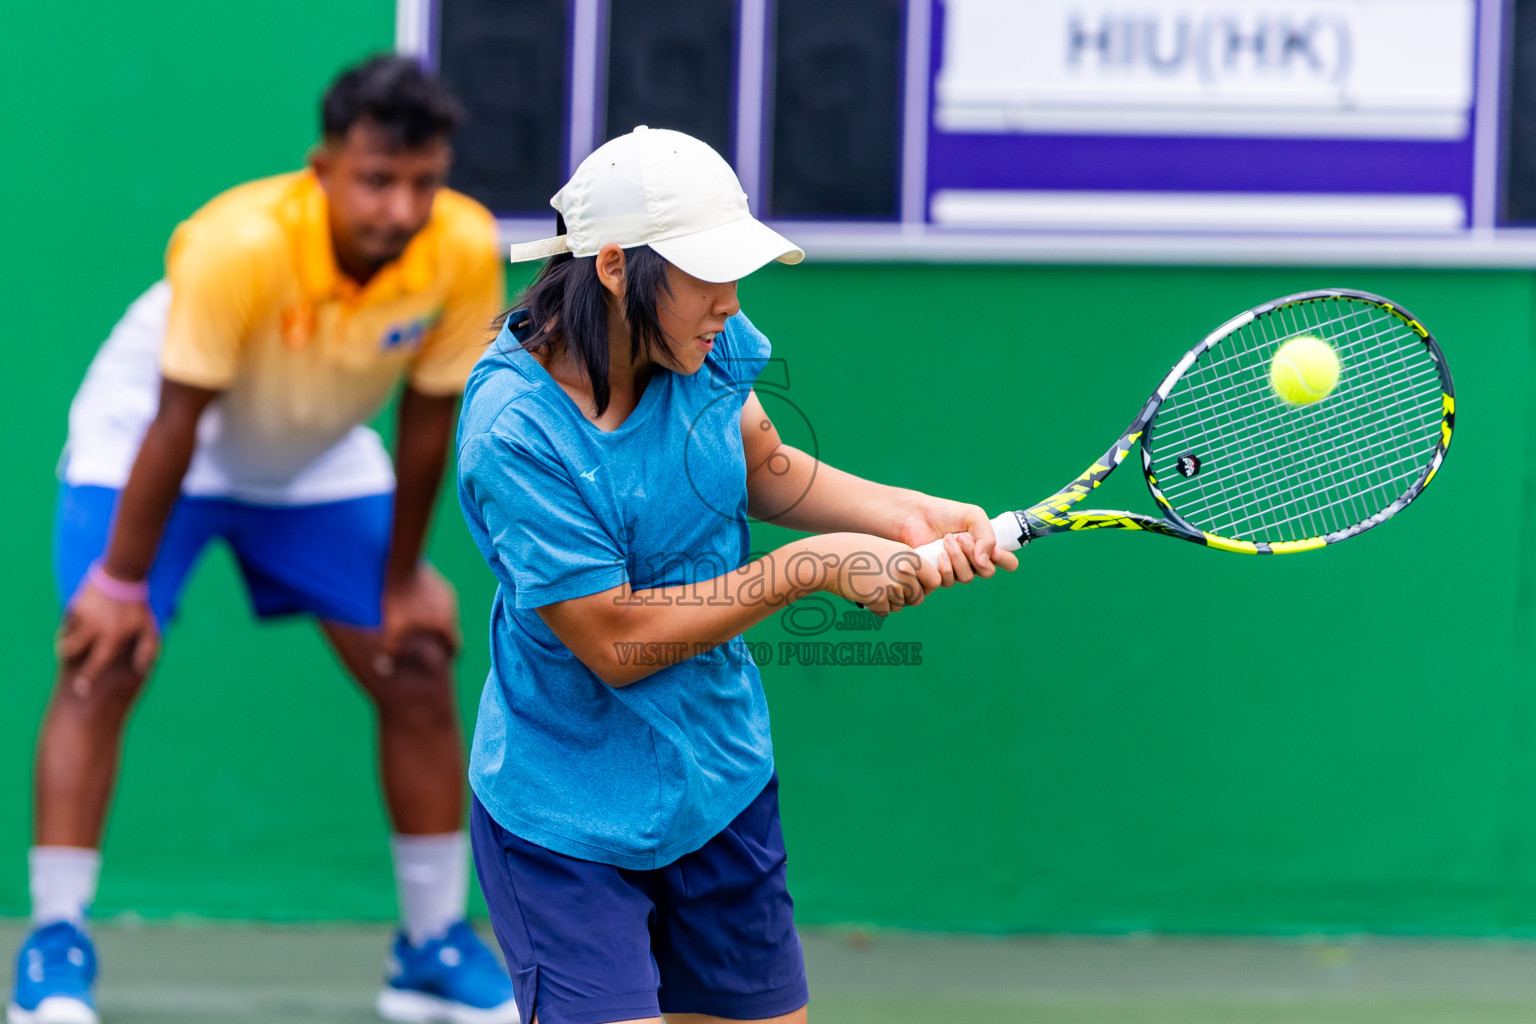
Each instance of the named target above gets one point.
<point>324,560</point>
<point>712,932</point>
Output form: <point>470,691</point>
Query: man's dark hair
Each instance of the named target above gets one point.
<point>394,93</point>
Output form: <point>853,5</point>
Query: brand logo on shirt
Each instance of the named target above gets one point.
<point>590,474</point>
<point>408,334</point>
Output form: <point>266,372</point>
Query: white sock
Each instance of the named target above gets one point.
<point>63,883</point>
<point>432,876</point>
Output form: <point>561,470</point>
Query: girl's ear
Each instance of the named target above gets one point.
<point>610,269</point>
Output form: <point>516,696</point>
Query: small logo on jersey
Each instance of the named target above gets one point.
<point>408,334</point>
<point>590,475</point>
<point>1188,465</point>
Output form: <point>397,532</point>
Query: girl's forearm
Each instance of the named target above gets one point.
<point>796,490</point>
<point>624,635</point>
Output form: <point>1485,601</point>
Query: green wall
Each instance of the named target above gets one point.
<point>1134,734</point>
<point>1127,734</point>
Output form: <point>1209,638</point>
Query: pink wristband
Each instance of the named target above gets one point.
<point>116,589</point>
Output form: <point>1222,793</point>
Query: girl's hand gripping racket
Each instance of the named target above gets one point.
<point>1303,422</point>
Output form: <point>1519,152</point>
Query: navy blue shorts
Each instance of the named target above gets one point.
<point>326,560</point>
<point>586,943</point>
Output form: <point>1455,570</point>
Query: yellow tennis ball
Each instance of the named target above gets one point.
<point>1305,370</point>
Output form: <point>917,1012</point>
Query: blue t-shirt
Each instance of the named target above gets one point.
<point>635,776</point>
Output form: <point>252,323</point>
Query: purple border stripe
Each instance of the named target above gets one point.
<point>1197,164</point>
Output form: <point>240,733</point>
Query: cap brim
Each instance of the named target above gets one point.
<point>729,252</point>
<point>541,249</point>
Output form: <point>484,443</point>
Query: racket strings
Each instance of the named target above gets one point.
<point>1386,466</point>
<point>1284,428</point>
<point>1281,503</point>
<point>1270,500</point>
<point>1273,471</point>
<point>1377,466</point>
<point>1227,396</point>
<point>1317,458</point>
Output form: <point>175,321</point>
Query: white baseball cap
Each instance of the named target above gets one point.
<point>670,191</point>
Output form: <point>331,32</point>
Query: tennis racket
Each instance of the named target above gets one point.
<point>1234,467</point>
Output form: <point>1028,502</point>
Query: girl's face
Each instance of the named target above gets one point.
<point>690,318</point>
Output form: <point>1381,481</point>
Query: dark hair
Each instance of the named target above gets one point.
<point>568,305</point>
<point>411,104</point>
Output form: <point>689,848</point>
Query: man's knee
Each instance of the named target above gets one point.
<point>111,692</point>
<point>411,689</point>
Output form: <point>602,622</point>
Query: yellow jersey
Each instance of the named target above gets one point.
<point>254,306</point>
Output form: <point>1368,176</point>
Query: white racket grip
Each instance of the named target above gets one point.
<point>1010,537</point>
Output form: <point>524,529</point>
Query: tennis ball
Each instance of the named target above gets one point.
<point>1305,370</point>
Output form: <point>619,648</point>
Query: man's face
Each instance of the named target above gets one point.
<point>380,193</point>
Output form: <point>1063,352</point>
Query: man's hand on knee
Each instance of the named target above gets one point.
<point>98,630</point>
<point>421,621</point>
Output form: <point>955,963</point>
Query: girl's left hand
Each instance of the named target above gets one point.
<point>970,544</point>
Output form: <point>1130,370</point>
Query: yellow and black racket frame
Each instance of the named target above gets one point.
<point>1055,514</point>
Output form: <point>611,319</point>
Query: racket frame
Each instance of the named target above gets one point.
<point>1056,513</point>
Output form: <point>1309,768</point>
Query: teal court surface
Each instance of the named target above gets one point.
<point>221,974</point>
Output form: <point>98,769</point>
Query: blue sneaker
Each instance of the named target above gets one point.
<point>54,973</point>
<point>451,980</point>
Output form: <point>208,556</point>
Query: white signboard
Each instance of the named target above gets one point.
<point>1397,69</point>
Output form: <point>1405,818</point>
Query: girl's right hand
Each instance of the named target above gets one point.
<point>882,575</point>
